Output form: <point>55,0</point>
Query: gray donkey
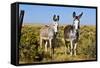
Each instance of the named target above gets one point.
<point>48,33</point>
<point>71,34</point>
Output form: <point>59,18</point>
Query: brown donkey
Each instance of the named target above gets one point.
<point>71,34</point>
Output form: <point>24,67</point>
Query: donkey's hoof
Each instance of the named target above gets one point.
<point>71,54</point>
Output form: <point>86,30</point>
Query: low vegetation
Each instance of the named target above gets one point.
<point>30,52</point>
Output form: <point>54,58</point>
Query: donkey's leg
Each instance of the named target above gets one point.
<point>64,42</point>
<point>68,47</point>
<point>65,49</point>
<point>75,46</point>
<point>71,46</point>
<point>46,46</point>
<point>50,47</point>
<point>40,42</point>
<point>54,43</point>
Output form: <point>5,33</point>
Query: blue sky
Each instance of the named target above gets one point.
<point>44,14</point>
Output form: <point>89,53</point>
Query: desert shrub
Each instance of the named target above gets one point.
<point>87,43</point>
<point>29,50</point>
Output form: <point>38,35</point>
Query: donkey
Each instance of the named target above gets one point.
<point>71,34</point>
<point>49,32</point>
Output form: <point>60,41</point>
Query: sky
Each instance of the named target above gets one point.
<point>39,14</point>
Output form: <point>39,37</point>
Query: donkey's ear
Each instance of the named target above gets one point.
<point>58,17</point>
<point>74,14</point>
<point>54,17</point>
<point>80,15</point>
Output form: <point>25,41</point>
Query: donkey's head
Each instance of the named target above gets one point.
<point>76,21</point>
<point>55,23</point>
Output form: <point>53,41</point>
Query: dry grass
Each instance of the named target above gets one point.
<point>86,49</point>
